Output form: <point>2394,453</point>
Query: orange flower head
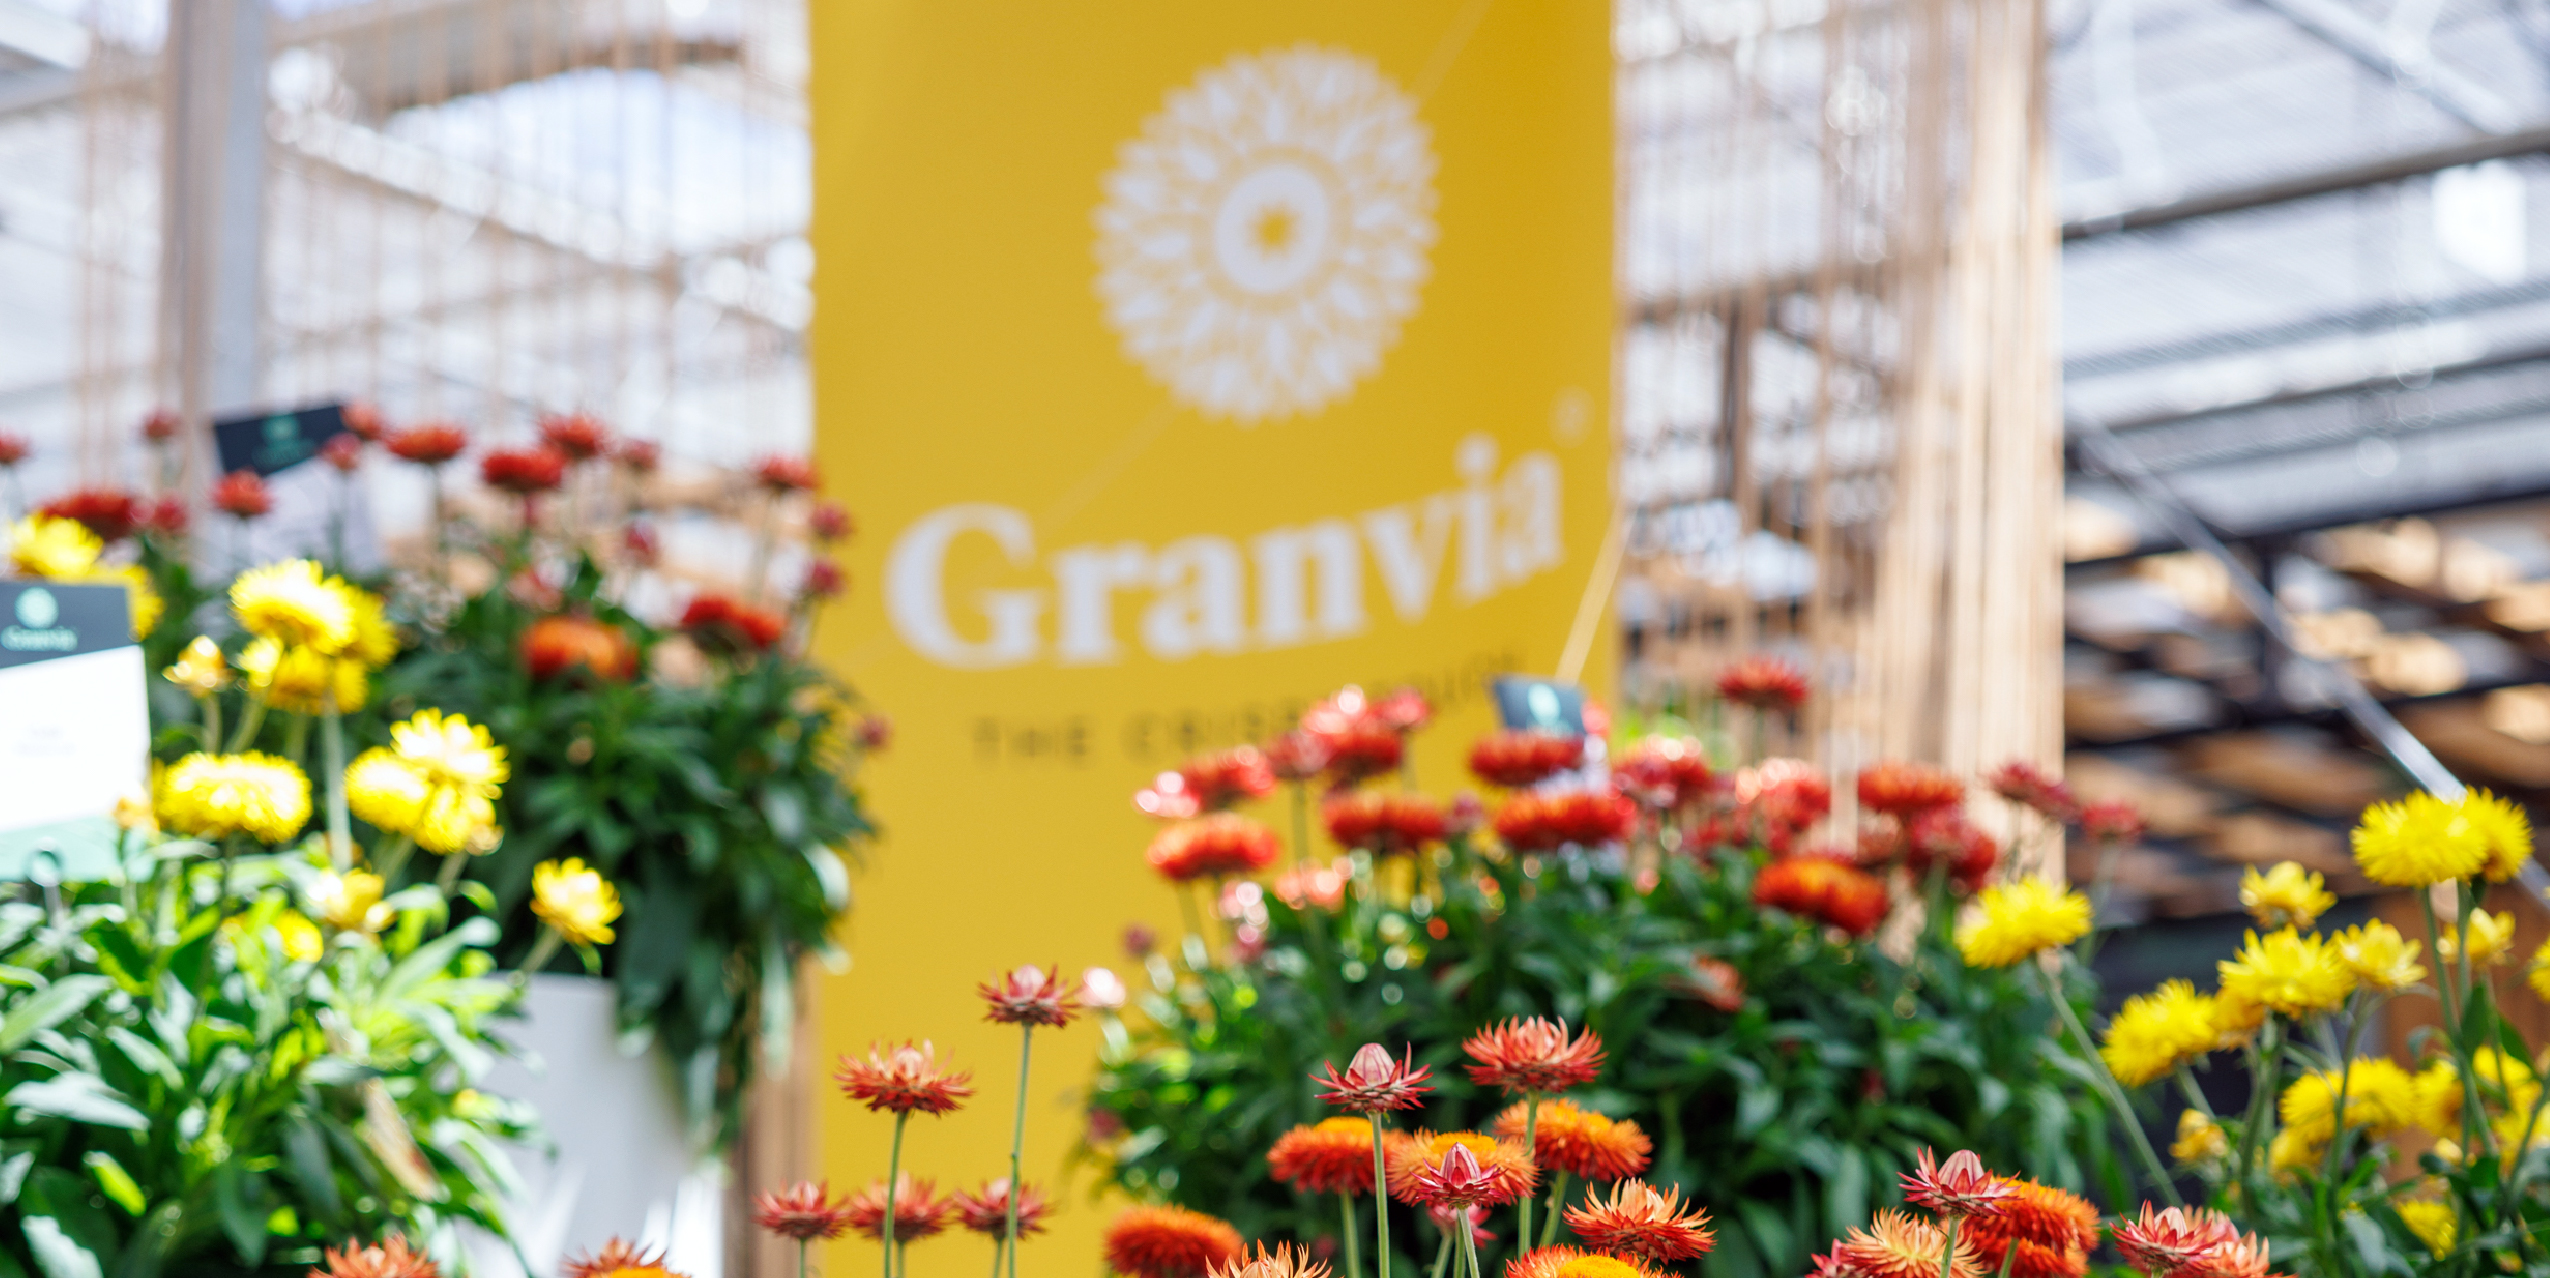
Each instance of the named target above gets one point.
<point>2045,1232</point>
<point>919,1212</point>
<point>1169,1242</point>
<point>1282,1262</point>
<point>1663,772</point>
<point>1297,756</point>
<point>781,474</point>
<point>2111,821</point>
<point>1570,1262</point>
<point>1958,1187</point>
<point>1373,1082</point>
<point>1225,777</point>
<point>1764,683</point>
<point>1536,1055</point>
<point>2175,1242</point>
<point>2244,1256</point>
<point>430,444</point>
<point>1902,790</point>
<point>1944,837</point>
<point>1535,821</point>
<point>1714,982</point>
<point>581,436</point>
<point>1332,1156</point>
<point>1897,1244</point>
<point>1384,821</point>
<point>389,1258</point>
<point>904,1080</point>
<point>1785,794</point>
<point>1827,889</point>
<point>1031,996</point>
<point>618,1259</point>
<point>1423,1169</point>
<point>1580,1142</point>
<point>1223,843</point>
<point>553,646</point>
<point>805,1212</point>
<point>1639,1220</point>
<point>2032,787</point>
<point>986,1210</point>
<point>242,494</point>
<point>1519,757</point>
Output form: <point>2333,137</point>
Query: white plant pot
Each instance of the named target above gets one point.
<point>622,1166</point>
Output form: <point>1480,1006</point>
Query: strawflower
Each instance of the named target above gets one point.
<point>2285,896</point>
<point>200,669</point>
<point>1331,1156</point>
<point>575,900</point>
<point>1663,772</point>
<point>1823,888</point>
<point>918,1210</point>
<point>2038,1231</point>
<point>1958,1187</point>
<point>2200,1139</point>
<point>1898,1244</point>
<point>111,513</point>
<point>2032,787</point>
<point>1712,981</point>
<point>2287,972</point>
<point>349,902</point>
<point>1577,1141</point>
<point>2419,841</point>
<point>1374,1083</point>
<point>1571,1262</point>
<point>300,680</point>
<point>619,1259</point>
<point>1224,777</point>
<point>986,1210</point>
<point>1282,1262</point>
<point>2174,1242</point>
<point>2155,1033</point>
<point>2380,1097</point>
<point>1457,1169</point>
<point>1519,757</point>
<point>1029,995</point>
<point>1764,683</point>
<point>2379,956</point>
<point>786,474</point>
<point>46,546</point>
<point>2492,938</point>
<point>1533,1056</point>
<point>430,444</point>
<point>214,796</point>
<point>1221,844</point>
<point>1904,789</point>
<point>1169,1242</point>
<point>2435,1222</point>
<point>805,1212</point>
<point>727,625</point>
<point>1536,822</point>
<point>580,436</point>
<point>1298,756</point>
<point>2016,920</point>
<point>905,1080</point>
<point>1786,793</point>
<point>1384,821</point>
<point>451,752</point>
<point>2505,827</point>
<point>553,646</point>
<point>524,472</point>
<point>388,1258</point>
<point>1638,1220</point>
<point>2111,823</point>
<point>296,605</point>
<point>241,494</point>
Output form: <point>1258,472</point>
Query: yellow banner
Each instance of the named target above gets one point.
<point>1182,361</point>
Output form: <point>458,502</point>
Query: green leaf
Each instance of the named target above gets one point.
<point>61,1001</point>
<point>56,1254</point>
<point>307,1152</point>
<point>242,1217</point>
<point>81,1097</point>
<point>114,1180</point>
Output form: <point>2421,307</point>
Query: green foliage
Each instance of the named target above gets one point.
<point>1788,1117</point>
<point>189,1090</point>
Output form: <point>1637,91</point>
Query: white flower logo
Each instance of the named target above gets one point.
<point>1264,238</point>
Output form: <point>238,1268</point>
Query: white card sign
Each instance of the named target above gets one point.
<point>74,723</point>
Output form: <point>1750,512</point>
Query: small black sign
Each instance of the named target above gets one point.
<point>1543,704</point>
<point>270,442</point>
<point>41,620</point>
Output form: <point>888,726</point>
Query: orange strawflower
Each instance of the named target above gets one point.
<point>1537,821</point>
<point>1504,1170</point>
<point>1461,1180</point>
<point>1520,757</point>
<point>1031,996</point>
<point>1211,846</point>
<point>1905,789</point>
<point>1897,1244</point>
<point>1764,683</point>
<point>389,1258</point>
<point>1957,1187</point>
<point>1663,772</point>
<point>1332,1156</point>
<point>1638,1220</point>
<point>618,1259</point>
<point>986,1210</point>
<point>1536,1055</point>
<point>2045,1232</point>
<point>1824,888</point>
<point>2183,1242</point>
<point>1384,821</point>
<point>1373,1082</point>
<point>1580,1142</point>
<point>1225,777</point>
<point>918,1210</point>
<point>904,1080</point>
<point>1571,1262</point>
<point>1169,1242</point>
<point>1282,1262</point>
<point>806,1211</point>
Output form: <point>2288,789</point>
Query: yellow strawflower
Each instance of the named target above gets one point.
<point>2285,896</point>
<point>140,598</point>
<point>2505,1081</point>
<point>200,670</point>
<point>2419,841</point>
<point>299,680</point>
<point>2505,827</point>
<point>2015,920</point>
<point>575,900</point>
<point>2293,1151</point>
<point>2538,973</point>
<point>214,796</point>
<point>2434,1223</point>
<point>396,795</point>
<point>451,752</point>
<point>2380,957</point>
<point>2380,1096</point>
<point>375,643</point>
<point>2287,972</point>
<point>2157,1032</point>
<point>301,940</point>
<point>2200,1139</point>
<point>350,902</point>
<point>51,547</point>
<point>295,605</point>
<point>2492,938</point>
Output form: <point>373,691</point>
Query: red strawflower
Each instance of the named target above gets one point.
<point>1224,777</point>
<point>1824,888</point>
<point>552,646</point>
<point>1898,1244</point>
<point>1499,1171</point>
<point>389,1258</point>
<point>805,1212</point>
<point>2043,1231</point>
<point>1958,1187</point>
<point>986,1210</point>
<point>2028,785</point>
<point>1169,1242</point>
<point>166,517</point>
<point>828,522</point>
<point>524,472</point>
<point>430,444</point>
<point>1943,836</point>
<point>1282,1262</point>
<point>1714,982</point>
<point>110,513</point>
<point>1459,1180</point>
<point>1168,798</point>
<point>1031,996</point>
<point>1298,756</point>
<point>13,449</point>
<point>729,625</point>
<point>786,474</point>
<point>918,1210</point>
<point>876,732</point>
<point>1905,789</point>
<point>343,452</point>
<point>1403,711</point>
<point>1323,886</point>
<point>1463,815</point>
<point>1383,821</point>
<point>2115,821</point>
<point>1637,1220</point>
<point>1331,1156</point>
<point>614,1256</point>
<point>160,425</point>
<point>2174,1242</point>
<point>242,495</point>
<point>1578,1141</point>
<point>1359,741</point>
<point>1764,683</point>
<point>1373,1082</point>
<point>638,456</point>
<point>823,580</point>
<point>1516,758</point>
<point>1522,1057</point>
<point>365,421</point>
<point>1575,1262</point>
<point>1663,772</point>
<point>580,436</point>
<point>1219,844</point>
<point>905,1080</point>
<point>1784,794</point>
<point>1534,821</point>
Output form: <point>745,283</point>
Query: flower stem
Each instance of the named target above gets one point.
<point>1354,1250</point>
<point>893,1165</point>
<point>249,722</point>
<point>1380,1205</point>
<point>211,702</point>
<point>1549,1227</point>
<point>2107,1085</point>
<point>1017,1144</point>
<point>2453,993</point>
<point>1470,1241</point>
<point>543,950</point>
<point>450,877</point>
<point>394,859</point>
<point>801,1258</point>
<point>1948,1249</point>
<point>1531,1149</point>
<point>1301,825</point>
<point>1442,1254</point>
